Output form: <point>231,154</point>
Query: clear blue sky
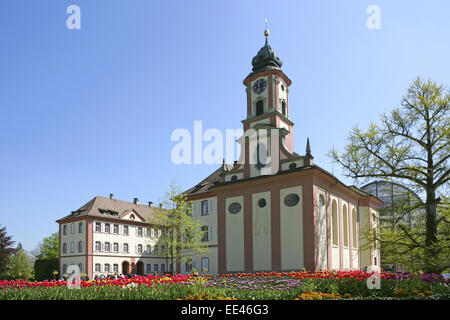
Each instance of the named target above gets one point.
<point>90,112</point>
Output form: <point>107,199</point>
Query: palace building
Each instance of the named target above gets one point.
<point>273,210</point>
<point>276,210</point>
<point>111,236</point>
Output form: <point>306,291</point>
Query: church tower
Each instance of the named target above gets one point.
<point>268,130</point>
<point>267,89</point>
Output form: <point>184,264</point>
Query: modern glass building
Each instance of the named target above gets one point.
<point>400,205</point>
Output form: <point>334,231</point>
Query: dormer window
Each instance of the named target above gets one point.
<point>259,108</point>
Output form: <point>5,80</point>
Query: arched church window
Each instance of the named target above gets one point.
<point>283,107</point>
<point>345,222</point>
<point>334,222</point>
<point>321,200</point>
<point>355,240</point>
<point>259,108</point>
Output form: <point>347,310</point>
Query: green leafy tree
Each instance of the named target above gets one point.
<point>410,146</point>
<point>6,250</point>
<point>407,249</point>
<point>181,237</point>
<point>21,264</point>
<point>49,248</point>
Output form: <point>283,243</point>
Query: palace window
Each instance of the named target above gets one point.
<point>148,268</point>
<point>156,267</point>
<point>97,267</point>
<point>64,248</point>
<point>106,267</point>
<point>149,249</point>
<point>80,246</point>
<point>72,228</point>
<point>156,250</point>
<point>139,231</point>
<point>64,230</point>
<point>116,247</point>
<point>98,246</point>
<point>116,229</point>
<point>107,227</point>
<point>163,268</point>
<point>80,227</point>
<point>205,233</point>
<point>98,227</point>
<point>205,264</point>
<point>205,207</point>
<point>115,267</point>
<point>188,264</point>
<point>139,248</point>
<point>72,247</point>
<point>259,107</point>
<point>64,268</point>
<point>125,247</point>
<point>125,230</point>
<point>107,247</point>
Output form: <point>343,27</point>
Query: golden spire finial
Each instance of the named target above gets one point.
<point>266,32</point>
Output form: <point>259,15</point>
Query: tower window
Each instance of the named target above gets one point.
<point>283,108</point>
<point>259,108</point>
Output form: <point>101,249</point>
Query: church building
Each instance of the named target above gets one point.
<point>274,209</point>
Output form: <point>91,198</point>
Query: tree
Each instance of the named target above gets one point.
<point>182,237</point>
<point>49,248</point>
<point>20,264</point>
<point>6,250</point>
<point>411,147</point>
<point>401,248</point>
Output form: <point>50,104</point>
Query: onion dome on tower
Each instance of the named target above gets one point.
<point>266,59</point>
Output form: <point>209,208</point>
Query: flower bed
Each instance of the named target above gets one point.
<point>319,285</point>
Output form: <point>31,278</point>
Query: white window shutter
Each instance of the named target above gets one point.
<point>102,246</point>
<point>193,208</point>
<point>103,227</point>
<point>217,234</point>
<point>209,206</point>
<point>209,233</point>
<point>136,231</point>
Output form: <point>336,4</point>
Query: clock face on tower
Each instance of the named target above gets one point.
<point>259,86</point>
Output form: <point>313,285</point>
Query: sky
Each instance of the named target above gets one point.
<point>88,112</point>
